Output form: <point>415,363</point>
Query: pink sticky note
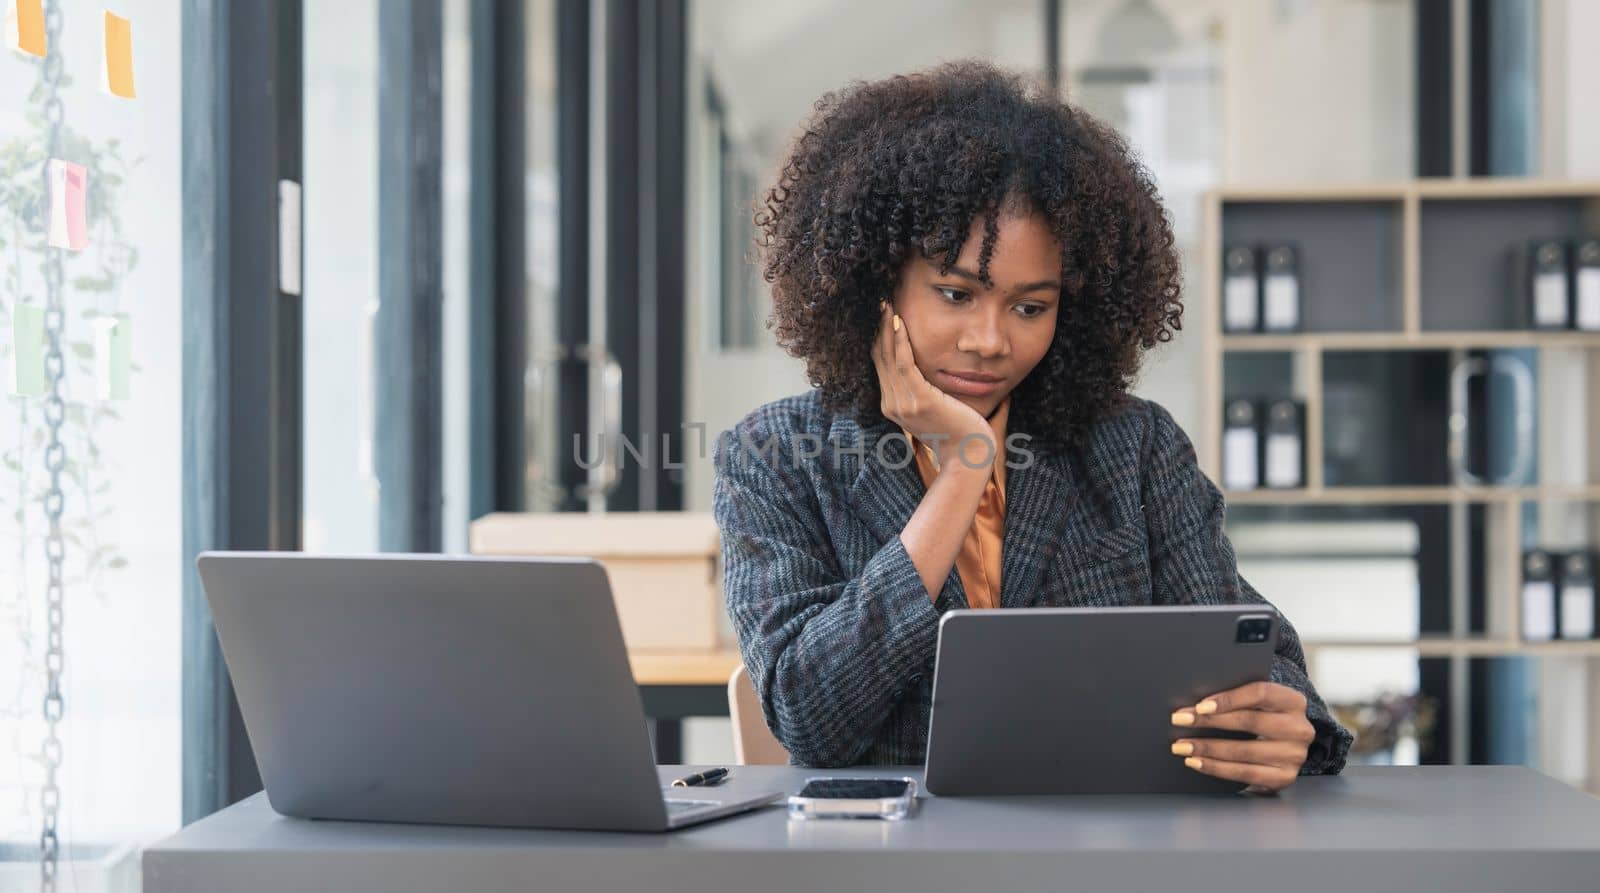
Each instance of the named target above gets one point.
<point>69,189</point>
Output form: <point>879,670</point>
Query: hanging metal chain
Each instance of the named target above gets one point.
<point>55,459</point>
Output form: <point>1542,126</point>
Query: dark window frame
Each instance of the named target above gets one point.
<point>242,347</point>
<point>242,133</point>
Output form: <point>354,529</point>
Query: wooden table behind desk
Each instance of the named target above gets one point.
<point>679,668</point>
<point>676,685</point>
<point>657,562</point>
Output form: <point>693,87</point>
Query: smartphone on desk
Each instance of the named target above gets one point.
<point>854,798</point>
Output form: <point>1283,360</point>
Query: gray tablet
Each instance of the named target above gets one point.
<point>1079,700</point>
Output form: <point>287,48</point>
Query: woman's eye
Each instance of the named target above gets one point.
<point>954,295</point>
<point>1029,311</point>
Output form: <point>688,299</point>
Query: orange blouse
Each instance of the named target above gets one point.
<point>979,559</point>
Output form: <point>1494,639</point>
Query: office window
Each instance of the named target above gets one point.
<point>545,442</point>
<point>456,275</point>
<point>91,387</point>
<point>341,493</point>
<point>732,184</point>
<point>348,503</point>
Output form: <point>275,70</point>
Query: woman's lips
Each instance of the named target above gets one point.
<point>968,386</point>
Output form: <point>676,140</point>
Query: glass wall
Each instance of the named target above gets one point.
<point>545,442</point>
<point>456,209</point>
<point>90,444</point>
<point>341,494</point>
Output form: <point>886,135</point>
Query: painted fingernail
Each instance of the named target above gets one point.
<point>1182,748</point>
<point>1183,718</point>
<point>1193,763</point>
<point>897,322</point>
<point>1205,707</point>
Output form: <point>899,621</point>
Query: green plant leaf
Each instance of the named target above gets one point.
<point>93,284</point>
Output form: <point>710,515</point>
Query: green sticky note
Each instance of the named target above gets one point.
<point>113,356</point>
<point>27,350</point>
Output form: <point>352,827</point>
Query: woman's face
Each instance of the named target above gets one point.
<point>977,342</point>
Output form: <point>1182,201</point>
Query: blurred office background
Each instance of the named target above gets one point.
<point>525,224</point>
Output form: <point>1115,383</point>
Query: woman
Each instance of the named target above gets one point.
<point>967,264</point>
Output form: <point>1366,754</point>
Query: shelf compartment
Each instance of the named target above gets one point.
<point>1555,525</point>
<point>1466,248</point>
<point>1349,257</point>
<point>1269,377</point>
<point>1372,400</point>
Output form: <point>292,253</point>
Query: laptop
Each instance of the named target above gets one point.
<point>443,690</point>
<point>1079,700</point>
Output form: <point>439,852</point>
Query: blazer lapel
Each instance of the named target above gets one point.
<point>1040,501</point>
<point>883,494</point>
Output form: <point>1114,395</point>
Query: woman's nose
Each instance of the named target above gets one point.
<point>985,337</point>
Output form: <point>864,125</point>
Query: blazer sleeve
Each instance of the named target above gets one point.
<point>829,655</point>
<point>1192,562</point>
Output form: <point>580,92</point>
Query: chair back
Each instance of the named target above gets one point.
<point>753,742</point>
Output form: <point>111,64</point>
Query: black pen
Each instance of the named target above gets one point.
<point>710,776</point>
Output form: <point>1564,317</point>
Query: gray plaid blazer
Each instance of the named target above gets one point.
<point>835,627</point>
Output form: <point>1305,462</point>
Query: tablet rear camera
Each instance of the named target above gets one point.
<point>1253,630</point>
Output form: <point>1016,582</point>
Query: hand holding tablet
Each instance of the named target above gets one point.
<point>1274,713</point>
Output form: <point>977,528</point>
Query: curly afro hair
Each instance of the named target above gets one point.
<point>906,164</point>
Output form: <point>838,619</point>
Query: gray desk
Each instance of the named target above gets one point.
<point>1458,829</point>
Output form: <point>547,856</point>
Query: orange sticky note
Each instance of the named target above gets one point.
<point>25,26</point>
<point>117,63</point>
<point>69,190</point>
